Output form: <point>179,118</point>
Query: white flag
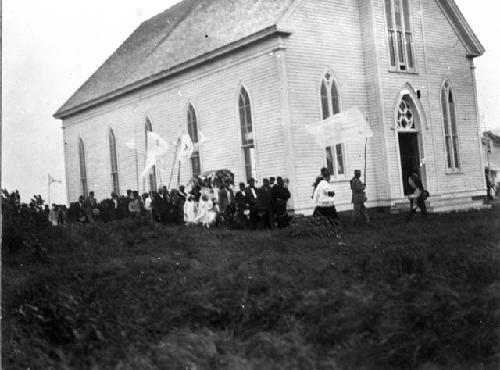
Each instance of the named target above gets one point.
<point>185,148</point>
<point>156,149</point>
<point>52,179</point>
<point>340,128</point>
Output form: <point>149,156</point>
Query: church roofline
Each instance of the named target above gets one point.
<point>459,23</point>
<point>197,61</point>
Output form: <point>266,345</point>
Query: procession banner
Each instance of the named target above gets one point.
<point>156,149</point>
<point>343,127</point>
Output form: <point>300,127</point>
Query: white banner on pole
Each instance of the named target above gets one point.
<point>340,128</point>
<point>156,149</point>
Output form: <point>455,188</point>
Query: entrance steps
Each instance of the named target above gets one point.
<point>443,204</point>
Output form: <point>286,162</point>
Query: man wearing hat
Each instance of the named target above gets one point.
<point>358,198</point>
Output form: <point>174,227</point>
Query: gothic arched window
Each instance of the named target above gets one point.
<point>247,137</point>
<point>114,162</point>
<point>450,127</point>
<point>335,161</point>
<point>148,127</point>
<point>83,169</point>
<point>193,134</point>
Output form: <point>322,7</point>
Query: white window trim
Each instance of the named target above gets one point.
<point>396,68</point>
<point>334,176</point>
<point>456,168</point>
<point>117,161</point>
<point>243,146</point>
<point>198,150</point>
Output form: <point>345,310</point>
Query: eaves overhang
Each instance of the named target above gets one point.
<point>182,67</point>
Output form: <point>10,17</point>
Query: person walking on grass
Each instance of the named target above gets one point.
<point>358,199</point>
<point>323,199</point>
<point>418,197</point>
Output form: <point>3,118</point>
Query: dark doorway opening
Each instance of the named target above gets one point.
<point>410,158</point>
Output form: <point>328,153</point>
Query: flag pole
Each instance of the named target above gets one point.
<point>137,168</point>
<point>179,175</point>
<point>173,164</point>
<point>366,142</point>
<point>48,187</point>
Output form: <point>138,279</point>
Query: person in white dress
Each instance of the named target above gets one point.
<point>189,211</point>
<point>206,214</point>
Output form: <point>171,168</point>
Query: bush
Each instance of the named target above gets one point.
<point>22,224</point>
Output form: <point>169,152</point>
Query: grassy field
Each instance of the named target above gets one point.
<point>135,295</point>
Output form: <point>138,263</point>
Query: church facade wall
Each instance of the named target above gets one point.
<point>213,90</point>
<point>346,39</point>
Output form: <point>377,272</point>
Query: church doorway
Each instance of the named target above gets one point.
<point>409,141</point>
<point>410,158</point>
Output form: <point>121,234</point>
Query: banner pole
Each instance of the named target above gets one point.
<point>48,188</point>
<point>179,175</point>
<point>137,168</point>
<point>366,142</point>
<point>173,164</point>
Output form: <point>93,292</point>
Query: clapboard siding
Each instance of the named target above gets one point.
<point>326,36</point>
<point>213,90</point>
<point>446,58</point>
<point>283,76</point>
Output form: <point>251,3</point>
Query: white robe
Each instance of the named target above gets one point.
<point>189,212</point>
<point>206,213</point>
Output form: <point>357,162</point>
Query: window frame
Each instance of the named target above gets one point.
<point>393,46</point>
<point>83,168</point>
<point>194,135</point>
<point>148,127</point>
<point>115,180</point>
<point>248,150</point>
<point>453,162</point>
<point>333,151</point>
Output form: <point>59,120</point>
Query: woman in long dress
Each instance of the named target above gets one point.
<point>189,211</point>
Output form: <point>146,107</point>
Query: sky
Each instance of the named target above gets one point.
<point>51,47</point>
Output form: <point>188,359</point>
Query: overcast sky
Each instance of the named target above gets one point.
<point>51,47</point>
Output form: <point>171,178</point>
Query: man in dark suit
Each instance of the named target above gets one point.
<point>226,203</point>
<point>280,196</point>
<point>264,205</point>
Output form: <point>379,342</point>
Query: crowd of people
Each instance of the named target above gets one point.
<point>219,203</point>
<point>248,207</point>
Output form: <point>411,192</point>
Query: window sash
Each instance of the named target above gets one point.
<point>250,165</point>
<point>148,127</point>
<point>116,184</point>
<point>330,105</point>
<point>400,38</point>
<point>192,125</point>
<point>195,163</point>
<point>450,129</point>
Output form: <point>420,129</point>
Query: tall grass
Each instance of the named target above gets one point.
<point>136,295</point>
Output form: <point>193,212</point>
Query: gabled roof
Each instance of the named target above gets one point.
<point>463,29</point>
<point>186,31</point>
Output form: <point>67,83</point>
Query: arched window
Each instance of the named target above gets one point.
<point>400,39</point>
<point>83,169</point>
<point>114,162</point>
<point>148,127</point>
<point>450,127</point>
<point>247,137</point>
<point>193,134</point>
<point>335,161</point>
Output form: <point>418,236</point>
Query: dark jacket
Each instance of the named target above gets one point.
<point>358,191</point>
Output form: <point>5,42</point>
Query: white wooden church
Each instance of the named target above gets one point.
<point>250,74</point>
